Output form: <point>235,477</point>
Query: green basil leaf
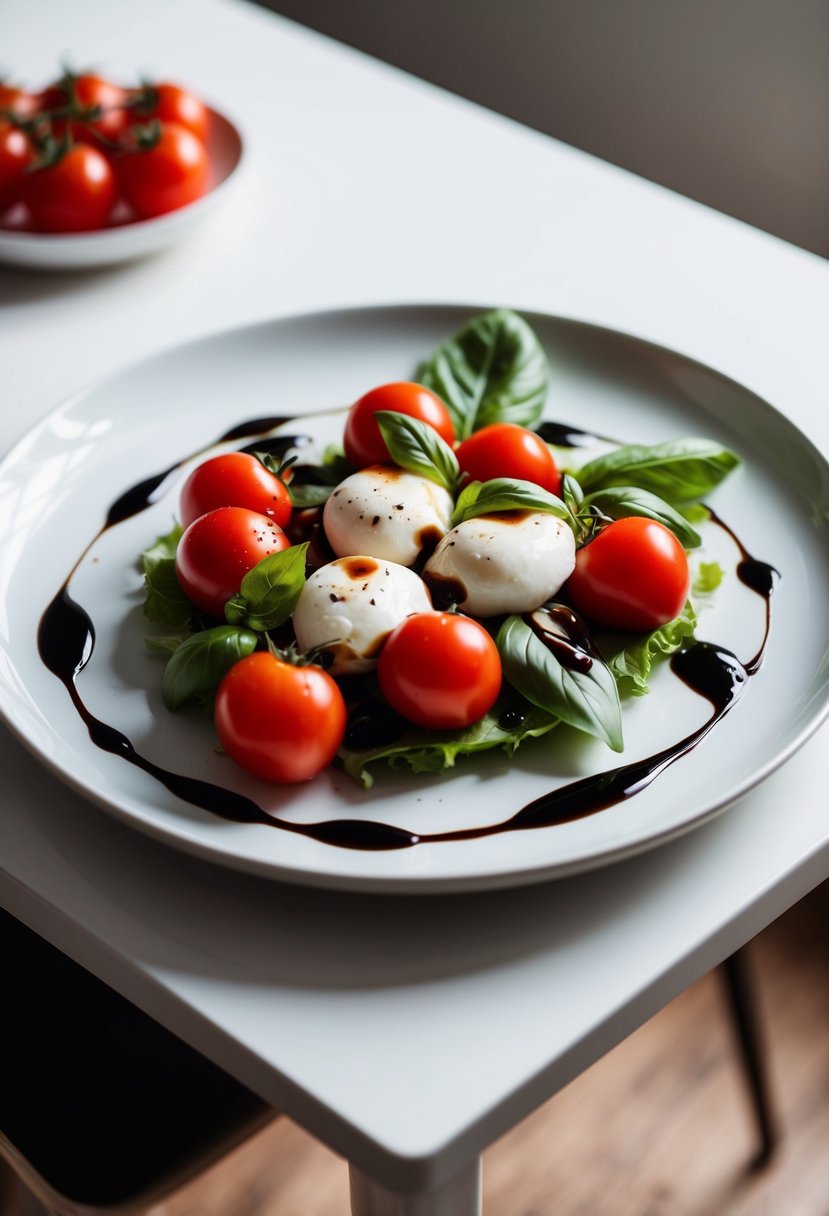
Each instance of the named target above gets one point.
<point>587,700</point>
<point>506,494</point>
<point>679,470</point>
<point>494,369</point>
<point>619,502</point>
<point>430,751</point>
<point>632,665</point>
<point>165,644</point>
<point>164,603</point>
<point>269,591</point>
<point>200,662</point>
<point>418,448</point>
<point>571,493</point>
<point>308,495</point>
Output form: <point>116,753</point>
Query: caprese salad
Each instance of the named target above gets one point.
<point>443,582</point>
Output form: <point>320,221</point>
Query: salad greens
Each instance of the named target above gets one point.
<point>493,369</point>
<point>432,751</point>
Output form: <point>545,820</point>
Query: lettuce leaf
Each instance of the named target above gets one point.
<point>425,751</point>
<point>632,665</point>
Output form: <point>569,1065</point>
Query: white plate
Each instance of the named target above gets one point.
<point>136,238</point>
<point>55,489</point>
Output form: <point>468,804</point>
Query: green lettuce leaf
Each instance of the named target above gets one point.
<point>164,603</point>
<point>632,665</point>
<point>707,578</point>
<point>426,751</point>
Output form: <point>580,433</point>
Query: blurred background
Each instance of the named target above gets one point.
<point>727,103</point>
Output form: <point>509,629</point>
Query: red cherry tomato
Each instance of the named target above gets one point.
<point>98,106</point>
<point>279,721</point>
<point>506,450</point>
<point>217,550</point>
<point>235,479</point>
<point>633,575</point>
<point>15,154</point>
<point>169,174</point>
<point>75,194</point>
<point>171,103</point>
<point>18,101</point>
<point>364,445</point>
<point>440,670</point>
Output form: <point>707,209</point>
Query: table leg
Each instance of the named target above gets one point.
<point>460,1197</point>
<point>745,1017</point>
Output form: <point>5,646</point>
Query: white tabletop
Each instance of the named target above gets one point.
<point>406,1033</point>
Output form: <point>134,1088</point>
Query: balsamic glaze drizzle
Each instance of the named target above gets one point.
<point>66,639</point>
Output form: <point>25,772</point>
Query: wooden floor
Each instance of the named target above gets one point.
<point>660,1127</point>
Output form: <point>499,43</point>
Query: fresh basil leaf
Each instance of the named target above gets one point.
<point>571,493</point>
<point>506,494</point>
<point>308,495</point>
<point>199,664</point>
<point>695,512</point>
<point>707,578</point>
<point>588,700</point>
<point>418,448</point>
<point>429,751</point>
<point>619,502</point>
<point>269,591</point>
<point>632,665</point>
<point>164,644</point>
<point>494,369</point>
<point>164,603</point>
<point>679,470</point>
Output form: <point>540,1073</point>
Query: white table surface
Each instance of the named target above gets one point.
<point>405,1033</point>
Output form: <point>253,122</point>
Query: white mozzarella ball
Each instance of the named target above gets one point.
<point>510,561</point>
<point>351,606</point>
<point>388,513</point>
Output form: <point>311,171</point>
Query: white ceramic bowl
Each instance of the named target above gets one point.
<point>135,238</point>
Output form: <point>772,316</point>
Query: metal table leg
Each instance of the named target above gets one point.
<point>743,1008</point>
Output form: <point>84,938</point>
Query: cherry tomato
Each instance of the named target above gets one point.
<point>217,550</point>
<point>100,106</point>
<point>235,479</point>
<point>364,445</point>
<point>440,670</point>
<point>279,721</point>
<point>75,194</point>
<point>171,103</point>
<point>18,101</point>
<point>633,575</point>
<point>169,174</point>
<point>15,154</point>
<point>506,450</point>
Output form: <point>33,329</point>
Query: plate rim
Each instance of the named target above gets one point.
<point>411,884</point>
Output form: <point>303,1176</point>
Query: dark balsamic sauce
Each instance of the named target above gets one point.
<point>759,577</point>
<point>561,435</point>
<point>66,639</point>
<point>564,634</point>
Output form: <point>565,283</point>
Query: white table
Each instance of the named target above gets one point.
<point>405,1033</point>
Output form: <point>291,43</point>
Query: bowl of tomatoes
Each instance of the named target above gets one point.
<point>94,172</point>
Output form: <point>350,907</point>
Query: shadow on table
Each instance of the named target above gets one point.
<point>22,286</point>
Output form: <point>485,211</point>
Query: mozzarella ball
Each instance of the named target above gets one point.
<point>350,607</point>
<point>388,513</point>
<point>510,561</point>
